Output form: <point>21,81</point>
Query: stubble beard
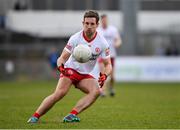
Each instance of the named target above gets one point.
<point>89,34</point>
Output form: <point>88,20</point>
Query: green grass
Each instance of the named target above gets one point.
<point>136,105</point>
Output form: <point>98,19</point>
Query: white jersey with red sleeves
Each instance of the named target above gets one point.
<point>110,34</point>
<point>98,46</point>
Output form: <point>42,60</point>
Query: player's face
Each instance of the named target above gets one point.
<point>104,22</point>
<point>89,26</point>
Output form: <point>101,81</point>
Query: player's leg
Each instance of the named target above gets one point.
<point>105,87</point>
<point>60,91</point>
<point>62,88</point>
<point>91,88</point>
<point>111,82</point>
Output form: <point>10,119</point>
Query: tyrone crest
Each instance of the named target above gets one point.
<point>97,49</point>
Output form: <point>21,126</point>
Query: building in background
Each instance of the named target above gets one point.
<point>157,28</point>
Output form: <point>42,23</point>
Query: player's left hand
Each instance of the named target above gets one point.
<point>102,79</point>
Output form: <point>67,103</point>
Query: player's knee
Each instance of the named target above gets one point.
<point>96,92</point>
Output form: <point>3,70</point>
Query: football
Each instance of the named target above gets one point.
<point>82,53</point>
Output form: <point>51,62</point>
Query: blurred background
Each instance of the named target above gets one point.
<point>32,30</point>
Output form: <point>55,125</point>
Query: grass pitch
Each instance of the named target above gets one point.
<point>136,105</point>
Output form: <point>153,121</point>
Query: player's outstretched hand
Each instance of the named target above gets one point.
<point>102,79</point>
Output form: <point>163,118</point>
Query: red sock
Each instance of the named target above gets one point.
<point>74,112</point>
<point>36,115</point>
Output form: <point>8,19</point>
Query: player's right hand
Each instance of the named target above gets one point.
<point>61,69</point>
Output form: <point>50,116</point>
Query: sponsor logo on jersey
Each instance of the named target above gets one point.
<point>94,56</point>
<point>69,47</point>
<point>97,49</point>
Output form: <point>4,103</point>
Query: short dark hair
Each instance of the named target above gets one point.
<point>92,14</point>
<point>103,16</point>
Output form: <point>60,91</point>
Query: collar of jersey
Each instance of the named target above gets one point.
<point>89,40</point>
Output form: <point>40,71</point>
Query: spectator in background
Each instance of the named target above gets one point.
<point>2,21</point>
<point>52,58</point>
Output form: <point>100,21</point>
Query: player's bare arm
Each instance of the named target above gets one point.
<point>63,58</point>
<point>107,72</point>
<point>107,66</point>
<point>117,42</point>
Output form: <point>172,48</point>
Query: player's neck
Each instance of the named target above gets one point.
<point>89,37</point>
